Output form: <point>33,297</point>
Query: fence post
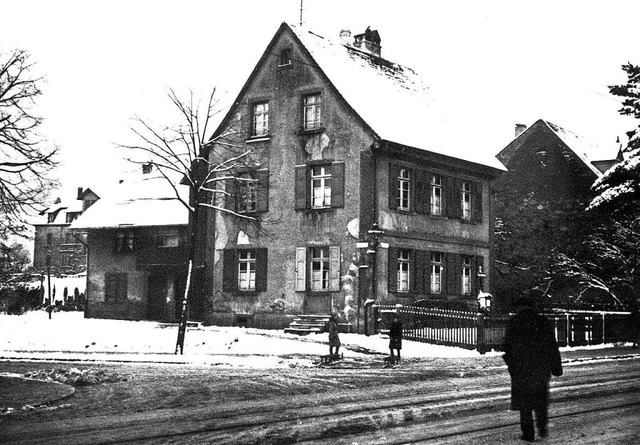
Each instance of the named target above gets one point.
<point>481,344</point>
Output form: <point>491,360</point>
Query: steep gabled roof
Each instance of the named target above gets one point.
<point>583,149</point>
<point>390,99</point>
<point>150,202</point>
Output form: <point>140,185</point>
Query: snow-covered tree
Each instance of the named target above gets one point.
<point>25,157</point>
<point>618,190</point>
<point>180,152</point>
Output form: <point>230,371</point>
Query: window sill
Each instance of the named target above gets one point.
<point>246,293</point>
<point>258,139</point>
<point>319,210</point>
<point>311,131</point>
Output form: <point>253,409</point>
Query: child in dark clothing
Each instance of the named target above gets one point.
<point>395,339</point>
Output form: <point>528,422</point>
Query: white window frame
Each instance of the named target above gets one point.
<point>312,111</point>
<point>436,272</point>
<point>320,186</point>
<point>404,189</point>
<point>466,201</point>
<point>436,195</point>
<point>404,270</point>
<point>246,270</point>
<point>320,268</point>
<point>260,119</point>
<point>466,275</point>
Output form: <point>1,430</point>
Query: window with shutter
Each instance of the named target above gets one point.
<point>319,186</point>
<point>115,287</point>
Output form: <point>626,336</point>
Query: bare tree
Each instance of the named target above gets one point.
<point>25,157</point>
<point>182,152</point>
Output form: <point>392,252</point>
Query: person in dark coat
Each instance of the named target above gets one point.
<point>395,339</point>
<point>532,357</point>
<point>334,338</point>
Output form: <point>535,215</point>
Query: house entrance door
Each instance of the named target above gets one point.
<point>156,298</point>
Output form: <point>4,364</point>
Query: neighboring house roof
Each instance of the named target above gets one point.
<point>587,152</point>
<point>146,203</point>
<point>391,99</point>
<point>60,211</point>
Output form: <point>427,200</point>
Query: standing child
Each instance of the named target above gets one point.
<point>395,339</point>
<point>334,338</point>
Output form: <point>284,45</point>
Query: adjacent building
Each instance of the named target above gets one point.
<point>345,196</point>
<point>541,201</point>
<point>55,245</point>
<point>137,251</point>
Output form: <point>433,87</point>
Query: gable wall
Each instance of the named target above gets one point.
<point>283,228</point>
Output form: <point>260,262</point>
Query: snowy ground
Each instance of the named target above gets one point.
<point>68,335</point>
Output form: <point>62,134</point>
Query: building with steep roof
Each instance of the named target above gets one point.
<point>541,200</point>
<point>349,199</point>
<point>55,245</point>
<point>137,251</point>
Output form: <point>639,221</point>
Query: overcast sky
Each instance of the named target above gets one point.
<point>488,64</point>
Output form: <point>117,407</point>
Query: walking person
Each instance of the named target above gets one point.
<point>334,338</point>
<point>395,339</point>
<point>532,357</point>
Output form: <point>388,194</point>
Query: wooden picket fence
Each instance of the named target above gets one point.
<point>471,330</point>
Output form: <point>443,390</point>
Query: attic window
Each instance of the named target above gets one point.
<point>285,57</point>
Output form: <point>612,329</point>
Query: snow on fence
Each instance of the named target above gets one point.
<point>471,330</point>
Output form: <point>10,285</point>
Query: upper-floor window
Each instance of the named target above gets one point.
<point>285,57</point>
<point>124,241</point>
<point>436,195</point>
<point>404,189</point>
<point>403,268</point>
<point>466,201</point>
<point>260,119</point>
<point>51,217</point>
<point>312,111</point>
<point>466,275</point>
<point>71,217</point>
<point>247,192</point>
<point>319,186</point>
<point>247,270</point>
<point>436,272</point>
<point>169,238</point>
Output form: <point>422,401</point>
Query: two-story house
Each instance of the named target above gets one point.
<point>352,201</point>
<point>137,251</point>
<point>55,245</point>
<point>541,201</point>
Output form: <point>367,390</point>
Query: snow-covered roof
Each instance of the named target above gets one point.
<point>145,203</point>
<point>391,98</point>
<point>585,150</point>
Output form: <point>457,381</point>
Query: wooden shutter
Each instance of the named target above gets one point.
<point>337,184</point>
<point>109,288</point>
<point>394,192</point>
<point>476,190</point>
<point>334,268</point>
<point>301,269</point>
<point>420,267</point>
<point>230,198</point>
<point>123,286</point>
<point>392,270</point>
<point>301,188</point>
<point>229,266</point>
<point>453,273</point>
<point>453,194</point>
<point>422,194</point>
<point>263,190</point>
<point>261,270</point>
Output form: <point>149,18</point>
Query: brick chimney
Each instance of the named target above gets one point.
<point>520,128</point>
<point>368,42</point>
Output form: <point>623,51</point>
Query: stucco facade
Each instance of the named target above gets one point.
<point>320,190</point>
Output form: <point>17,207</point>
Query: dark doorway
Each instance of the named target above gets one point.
<point>156,298</point>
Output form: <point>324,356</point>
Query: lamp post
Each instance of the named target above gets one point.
<point>373,243</point>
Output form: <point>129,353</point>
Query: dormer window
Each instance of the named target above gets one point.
<point>285,57</point>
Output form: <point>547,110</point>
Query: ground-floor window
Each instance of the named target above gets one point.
<point>244,270</point>
<point>318,268</point>
<point>115,287</point>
